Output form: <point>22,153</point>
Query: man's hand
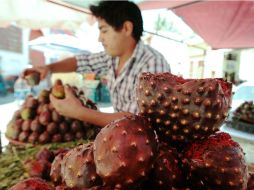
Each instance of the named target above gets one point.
<point>44,70</point>
<point>70,106</point>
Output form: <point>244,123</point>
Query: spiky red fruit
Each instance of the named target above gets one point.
<point>167,173</point>
<point>45,154</point>
<point>216,163</point>
<point>124,151</point>
<point>251,182</point>
<point>55,172</point>
<point>78,169</point>
<point>38,168</point>
<point>32,184</point>
<point>183,110</point>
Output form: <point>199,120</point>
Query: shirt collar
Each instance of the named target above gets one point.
<point>135,55</point>
<point>137,51</point>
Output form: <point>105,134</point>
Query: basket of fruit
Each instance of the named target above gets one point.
<point>37,122</point>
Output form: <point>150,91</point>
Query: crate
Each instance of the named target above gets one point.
<point>104,94</point>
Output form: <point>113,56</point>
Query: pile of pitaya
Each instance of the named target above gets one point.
<point>37,122</point>
<point>245,112</point>
<point>173,143</point>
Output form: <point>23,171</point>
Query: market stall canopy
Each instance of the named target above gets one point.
<point>222,24</point>
<point>147,5</point>
<point>38,14</point>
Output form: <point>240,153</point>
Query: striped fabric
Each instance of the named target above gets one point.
<point>123,87</point>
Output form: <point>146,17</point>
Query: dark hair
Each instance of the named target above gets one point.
<point>115,13</point>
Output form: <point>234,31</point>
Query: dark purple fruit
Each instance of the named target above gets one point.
<point>56,138</point>
<point>76,126</point>
<point>68,137</point>
<point>44,138</point>
<point>36,126</point>
<point>56,117</point>
<point>45,154</point>
<point>26,125</point>
<point>33,137</point>
<point>63,127</point>
<point>52,128</point>
<point>45,118</point>
<point>23,136</point>
<point>79,135</point>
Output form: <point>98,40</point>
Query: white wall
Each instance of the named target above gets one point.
<point>214,62</point>
<point>14,63</point>
<point>247,65</point>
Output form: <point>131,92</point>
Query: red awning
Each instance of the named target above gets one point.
<point>147,5</point>
<point>222,24</point>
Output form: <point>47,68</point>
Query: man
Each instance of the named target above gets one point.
<point>125,58</point>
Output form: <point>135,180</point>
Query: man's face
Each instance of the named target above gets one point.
<point>111,39</point>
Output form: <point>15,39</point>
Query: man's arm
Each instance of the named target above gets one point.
<point>63,66</point>
<point>99,118</point>
<point>71,107</point>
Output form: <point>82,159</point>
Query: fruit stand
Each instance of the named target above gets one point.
<point>174,143</point>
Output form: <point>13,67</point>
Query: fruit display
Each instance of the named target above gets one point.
<point>181,110</point>
<point>37,122</point>
<point>245,112</point>
<point>144,152</point>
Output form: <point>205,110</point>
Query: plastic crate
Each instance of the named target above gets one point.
<point>104,94</point>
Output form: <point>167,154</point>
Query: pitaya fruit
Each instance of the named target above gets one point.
<point>167,173</point>
<point>181,110</point>
<point>45,154</point>
<point>216,163</point>
<point>78,169</point>
<point>38,168</point>
<point>124,152</point>
<point>55,172</point>
<point>251,182</point>
<point>32,184</point>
